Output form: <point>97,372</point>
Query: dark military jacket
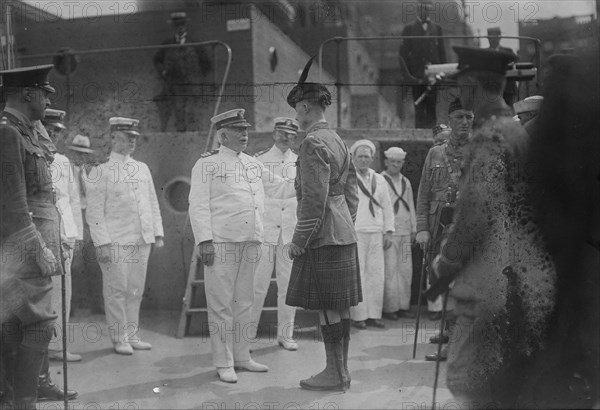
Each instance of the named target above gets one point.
<point>439,183</point>
<point>182,65</point>
<point>326,190</point>
<point>504,284</point>
<point>29,218</point>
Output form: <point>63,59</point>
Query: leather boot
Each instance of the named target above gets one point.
<point>26,377</point>
<point>345,347</point>
<point>48,391</point>
<point>8,360</point>
<point>329,378</point>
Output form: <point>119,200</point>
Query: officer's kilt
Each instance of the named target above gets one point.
<point>325,278</point>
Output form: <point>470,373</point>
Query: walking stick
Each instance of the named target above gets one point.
<point>439,350</point>
<point>63,294</point>
<point>421,279</point>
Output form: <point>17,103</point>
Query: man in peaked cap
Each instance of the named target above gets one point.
<point>398,257</point>
<point>29,234</point>
<point>374,227</point>
<point>183,71</point>
<point>279,222</point>
<point>122,210</point>
<point>325,275</point>
<point>226,211</point>
<point>481,81</point>
<point>503,278</point>
<point>437,196</point>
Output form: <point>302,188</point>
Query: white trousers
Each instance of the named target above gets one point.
<point>398,274</point>
<point>123,282</point>
<point>274,256</point>
<point>372,276</point>
<point>56,341</point>
<point>229,286</point>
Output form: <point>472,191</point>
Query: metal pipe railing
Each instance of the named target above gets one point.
<point>338,40</point>
<point>69,53</point>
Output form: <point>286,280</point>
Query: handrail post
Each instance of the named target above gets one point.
<point>338,83</point>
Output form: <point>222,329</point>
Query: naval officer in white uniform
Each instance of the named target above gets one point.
<point>226,210</point>
<point>124,220</point>
<point>279,224</point>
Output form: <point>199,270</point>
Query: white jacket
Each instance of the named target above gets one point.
<point>280,214</point>
<point>227,196</point>
<point>122,206</point>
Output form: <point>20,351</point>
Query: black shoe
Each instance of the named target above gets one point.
<point>434,357</point>
<point>376,323</point>
<point>49,391</point>
<point>390,316</point>
<point>436,339</point>
<point>360,324</point>
<point>406,314</point>
<point>435,315</point>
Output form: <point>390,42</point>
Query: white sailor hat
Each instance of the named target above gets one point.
<point>230,119</point>
<point>54,118</point>
<point>532,103</point>
<point>127,125</point>
<point>395,153</point>
<point>287,124</point>
<point>363,143</point>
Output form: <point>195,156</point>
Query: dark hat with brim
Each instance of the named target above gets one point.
<point>308,91</point>
<point>35,76</point>
<point>482,59</point>
<point>178,18</point>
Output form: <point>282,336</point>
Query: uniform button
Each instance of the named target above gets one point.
<point>283,209</point>
<point>279,226</point>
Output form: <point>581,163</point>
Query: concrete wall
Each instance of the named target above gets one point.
<point>171,157</point>
<point>273,85</point>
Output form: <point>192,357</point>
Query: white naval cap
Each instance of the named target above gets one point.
<point>532,103</point>
<point>127,125</point>
<point>363,143</point>
<point>288,124</point>
<point>232,118</point>
<point>395,153</point>
<point>55,118</point>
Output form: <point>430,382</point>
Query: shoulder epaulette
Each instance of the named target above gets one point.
<point>209,153</point>
<point>3,121</point>
<point>264,151</point>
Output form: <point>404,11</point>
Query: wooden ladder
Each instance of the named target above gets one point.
<point>195,283</point>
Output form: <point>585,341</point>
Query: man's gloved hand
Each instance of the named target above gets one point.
<point>422,239</point>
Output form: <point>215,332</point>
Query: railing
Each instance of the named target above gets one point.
<point>72,53</point>
<point>339,40</point>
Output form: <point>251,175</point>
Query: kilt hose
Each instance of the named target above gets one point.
<point>337,271</point>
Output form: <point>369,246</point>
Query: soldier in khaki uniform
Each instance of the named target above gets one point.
<point>325,274</point>
<point>504,279</point>
<point>29,235</point>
